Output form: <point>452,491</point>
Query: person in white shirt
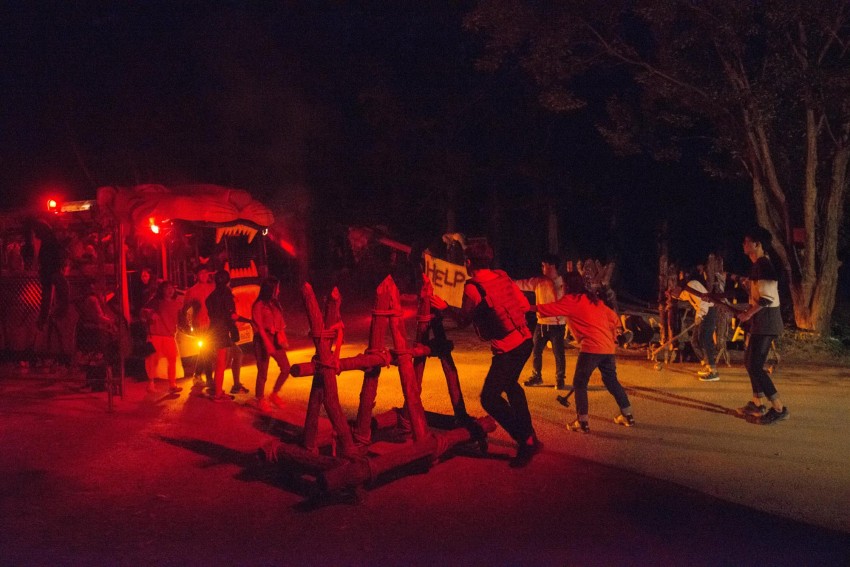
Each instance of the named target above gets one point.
<point>547,288</point>
<point>702,338</point>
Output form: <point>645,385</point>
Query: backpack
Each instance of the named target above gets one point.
<point>502,309</point>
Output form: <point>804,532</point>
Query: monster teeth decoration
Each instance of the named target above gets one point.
<point>249,272</point>
<point>236,230</point>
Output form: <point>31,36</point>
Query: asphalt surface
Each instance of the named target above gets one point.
<point>174,480</point>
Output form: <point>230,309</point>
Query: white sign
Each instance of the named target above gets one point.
<point>447,279</point>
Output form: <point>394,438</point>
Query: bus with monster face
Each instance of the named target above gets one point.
<point>164,231</point>
<point>170,231</point>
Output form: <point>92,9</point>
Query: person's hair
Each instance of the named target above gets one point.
<point>222,278</point>
<point>551,259</point>
<point>759,234</point>
<point>160,289</point>
<point>480,255</point>
<point>574,283</point>
<point>202,268</point>
<point>267,288</point>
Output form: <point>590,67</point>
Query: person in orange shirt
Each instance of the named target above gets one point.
<point>595,327</point>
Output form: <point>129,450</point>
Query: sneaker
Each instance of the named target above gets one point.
<point>579,425</point>
<point>705,371</point>
<point>174,389</point>
<point>222,398</point>
<point>525,453</point>
<point>772,416</point>
<point>264,405</point>
<point>239,389</point>
<point>275,399</point>
<point>533,381</point>
<point>752,409</point>
<point>710,377</point>
<point>626,420</point>
<point>561,386</point>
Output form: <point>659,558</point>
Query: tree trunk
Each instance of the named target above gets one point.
<point>823,300</point>
<point>552,227</point>
<point>814,283</point>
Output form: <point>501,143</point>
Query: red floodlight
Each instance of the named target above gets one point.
<point>52,205</point>
<point>154,227</point>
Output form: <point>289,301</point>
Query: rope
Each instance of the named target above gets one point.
<point>335,331</point>
<point>384,353</point>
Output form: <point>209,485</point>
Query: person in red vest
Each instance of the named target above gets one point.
<point>595,326</point>
<point>496,308</point>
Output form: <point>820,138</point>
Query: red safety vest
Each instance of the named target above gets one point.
<point>502,309</point>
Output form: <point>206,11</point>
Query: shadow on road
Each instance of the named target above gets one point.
<point>683,401</point>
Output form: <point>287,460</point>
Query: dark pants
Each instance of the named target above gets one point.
<point>503,377</point>
<point>543,334</point>
<point>607,365</point>
<point>758,347</point>
<point>205,363</point>
<point>703,338</point>
<point>49,284</point>
<point>234,358</point>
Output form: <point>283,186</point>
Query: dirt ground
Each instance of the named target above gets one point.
<point>174,479</point>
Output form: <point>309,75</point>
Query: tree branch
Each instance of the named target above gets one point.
<point>616,53</point>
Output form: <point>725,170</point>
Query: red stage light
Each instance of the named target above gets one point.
<point>287,247</point>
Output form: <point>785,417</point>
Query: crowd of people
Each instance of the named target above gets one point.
<point>581,303</point>
<point>576,303</point>
<point>207,310</point>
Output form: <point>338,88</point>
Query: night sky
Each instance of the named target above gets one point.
<point>373,109</point>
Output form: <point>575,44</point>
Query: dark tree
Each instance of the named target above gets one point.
<point>762,89</point>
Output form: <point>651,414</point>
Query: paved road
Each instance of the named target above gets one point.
<point>174,481</point>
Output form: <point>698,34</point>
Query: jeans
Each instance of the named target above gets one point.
<point>503,377</point>
<point>230,355</point>
<point>703,338</point>
<point>607,365</point>
<point>542,334</point>
<point>263,356</point>
<point>758,347</point>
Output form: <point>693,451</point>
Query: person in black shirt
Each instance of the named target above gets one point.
<point>223,333</point>
<point>765,326</point>
<point>50,256</point>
